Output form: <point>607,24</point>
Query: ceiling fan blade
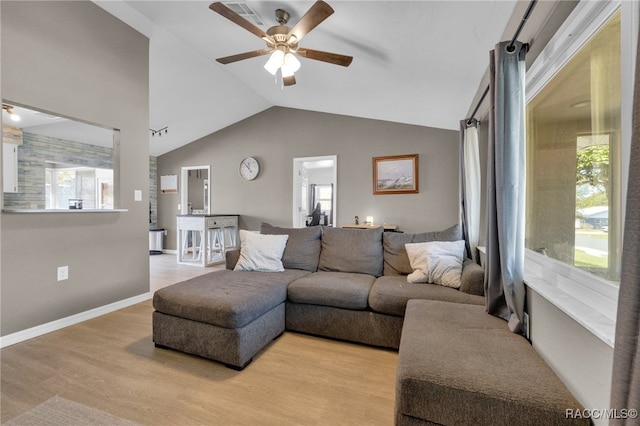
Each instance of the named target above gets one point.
<point>318,55</point>
<point>314,16</point>
<point>289,81</point>
<point>245,55</point>
<point>225,11</point>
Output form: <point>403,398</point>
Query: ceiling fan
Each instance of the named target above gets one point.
<point>282,41</point>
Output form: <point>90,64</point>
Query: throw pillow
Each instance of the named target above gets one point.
<point>396,261</point>
<point>437,262</point>
<point>262,253</point>
<point>351,250</point>
<point>303,246</point>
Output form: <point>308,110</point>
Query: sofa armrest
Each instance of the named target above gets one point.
<point>231,258</point>
<point>472,279</point>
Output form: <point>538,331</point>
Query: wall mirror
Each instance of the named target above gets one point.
<point>195,190</point>
<point>54,163</point>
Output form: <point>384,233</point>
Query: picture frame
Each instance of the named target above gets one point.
<point>169,184</point>
<point>395,174</point>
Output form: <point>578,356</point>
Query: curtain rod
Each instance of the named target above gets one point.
<point>510,47</point>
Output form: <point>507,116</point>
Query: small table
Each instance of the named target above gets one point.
<point>203,240</point>
<point>387,227</point>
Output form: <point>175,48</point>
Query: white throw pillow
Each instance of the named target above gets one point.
<point>437,262</point>
<point>259,252</point>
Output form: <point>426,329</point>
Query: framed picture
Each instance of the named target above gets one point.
<point>168,184</point>
<point>396,174</point>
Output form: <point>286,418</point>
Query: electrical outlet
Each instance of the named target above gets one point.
<point>165,233</point>
<point>525,325</point>
<point>137,195</point>
<point>63,273</point>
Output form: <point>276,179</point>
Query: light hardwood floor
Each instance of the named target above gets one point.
<point>110,363</point>
<point>164,270</point>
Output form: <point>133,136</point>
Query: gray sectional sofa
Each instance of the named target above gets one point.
<point>351,284</point>
<point>346,284</point>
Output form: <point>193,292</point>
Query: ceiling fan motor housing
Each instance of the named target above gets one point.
<point>279,34</point>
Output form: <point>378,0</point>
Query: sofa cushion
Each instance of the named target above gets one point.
<point>396,261</point>
<point>351,250</point>
<point>229,299</point>
<point>437,262</point>
<point>303,247</point>
<point>390,294</point>
<point>261,253</point>
<point>338,289</point>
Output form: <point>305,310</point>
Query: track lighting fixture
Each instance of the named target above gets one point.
<point>159,132</point>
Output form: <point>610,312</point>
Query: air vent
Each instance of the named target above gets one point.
<point>244,10</point>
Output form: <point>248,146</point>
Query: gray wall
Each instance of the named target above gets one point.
<point>76,60</point>
<point>278,135</point>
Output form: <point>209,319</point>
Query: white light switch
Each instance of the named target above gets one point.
<point>63,273</point>
<point>137,195</point>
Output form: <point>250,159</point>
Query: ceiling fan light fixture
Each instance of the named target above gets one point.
<point>290,63</point>
<point>275,61</point>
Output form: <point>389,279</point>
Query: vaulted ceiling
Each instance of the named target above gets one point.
<point>415,62</point>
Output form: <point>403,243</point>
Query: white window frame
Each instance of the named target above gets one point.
<point>588,299</point>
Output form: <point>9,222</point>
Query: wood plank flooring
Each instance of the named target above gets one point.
<point>110,363</point>
<point>164,270</point>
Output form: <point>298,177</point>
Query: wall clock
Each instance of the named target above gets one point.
<point>249,168</point>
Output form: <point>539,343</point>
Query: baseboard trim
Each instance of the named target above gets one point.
<point>39,330</point>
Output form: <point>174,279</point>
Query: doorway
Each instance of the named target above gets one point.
<point>315,181</point>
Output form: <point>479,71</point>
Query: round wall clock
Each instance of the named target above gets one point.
<point>249,168</point>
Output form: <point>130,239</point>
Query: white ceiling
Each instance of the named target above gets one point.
<point>415,62</point>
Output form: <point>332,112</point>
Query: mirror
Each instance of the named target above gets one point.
<point>195,190</point>
<point>314,190</point>
<point>52,162</point>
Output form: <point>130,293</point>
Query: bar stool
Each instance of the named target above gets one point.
<point>192,235</point>
<point>229,233</point>
<point>216,244</point>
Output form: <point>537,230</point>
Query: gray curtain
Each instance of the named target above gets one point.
<point>625,387</point>
<point>504,271</point>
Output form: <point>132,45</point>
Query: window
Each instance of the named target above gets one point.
<point>573,150</point>
<point>579,96</point>
<point>66,183</point>
<point>323,195</point>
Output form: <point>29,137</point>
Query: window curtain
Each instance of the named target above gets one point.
<point>504,271</point>
<point>625,386</point>
<point>470,185</point>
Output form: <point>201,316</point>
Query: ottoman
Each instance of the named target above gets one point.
<point>458,365</point>
<point>227,316</point>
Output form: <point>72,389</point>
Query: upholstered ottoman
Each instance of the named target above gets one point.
<point>226,316</point>
<point>458,365</point>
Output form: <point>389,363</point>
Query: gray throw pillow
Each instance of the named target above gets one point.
<point>351,250</point>
<point>303,247</point>
<point>396,260</point>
